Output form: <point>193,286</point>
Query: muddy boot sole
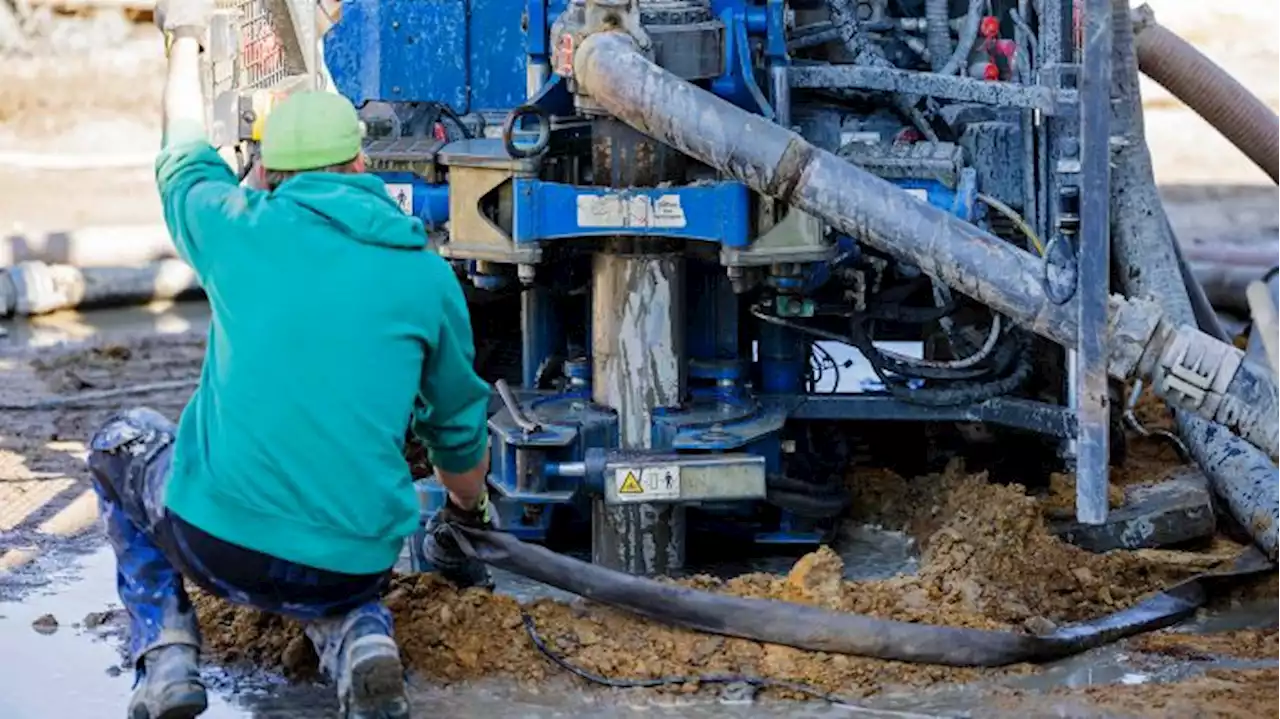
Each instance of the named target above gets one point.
<point>377,685</point>
<point>186,705</point>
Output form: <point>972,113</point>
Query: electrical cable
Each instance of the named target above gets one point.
<point>1051,291</point>
<point>988,346</point>
<point>1131,420</point>
<point>956,393</point>
<point>531,628</point>
<point>1017,220</point>
<point>908,367</point>
<point>819,362</point>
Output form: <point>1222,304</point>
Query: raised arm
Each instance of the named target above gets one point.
<point>197,188</point>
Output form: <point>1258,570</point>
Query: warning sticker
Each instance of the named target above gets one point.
<point>630,484</point>
<point>402,193</point>
<point>647,484</point>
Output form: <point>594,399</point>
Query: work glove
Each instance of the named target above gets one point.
<point>441,550</point>
<point>185,15</point>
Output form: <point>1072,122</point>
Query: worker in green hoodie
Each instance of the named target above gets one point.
<point>284,485</point>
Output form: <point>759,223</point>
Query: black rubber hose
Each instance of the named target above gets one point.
<point>1208,90</point>
<point>815,629</point>
<point>1147,260</point>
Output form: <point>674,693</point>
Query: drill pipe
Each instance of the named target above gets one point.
<point>782,165</point>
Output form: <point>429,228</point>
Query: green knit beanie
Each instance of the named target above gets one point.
<point>310,130</point>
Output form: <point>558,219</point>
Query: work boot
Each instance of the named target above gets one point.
<point>358,653</point>
<point>169,685</point>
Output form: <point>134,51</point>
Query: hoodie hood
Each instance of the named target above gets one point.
<point>358,205</point>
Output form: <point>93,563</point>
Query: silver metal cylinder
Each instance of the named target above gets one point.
<point>780,90</point>
<point>637,332</point>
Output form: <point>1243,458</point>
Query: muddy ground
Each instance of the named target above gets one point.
<point>90,89</point>
<point>986,561</point>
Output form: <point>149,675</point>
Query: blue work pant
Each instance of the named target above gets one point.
<point>129,460</point>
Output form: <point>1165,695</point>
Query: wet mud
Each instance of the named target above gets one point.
<point>987,561</point>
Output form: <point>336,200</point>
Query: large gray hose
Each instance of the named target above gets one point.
<point>1149,263</point>
<point>1214,95</point>
<point>815,629</point>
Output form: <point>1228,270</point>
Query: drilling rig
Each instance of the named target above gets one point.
<point>703,238</point>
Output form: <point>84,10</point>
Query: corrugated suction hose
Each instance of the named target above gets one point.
<point>1209,90</point>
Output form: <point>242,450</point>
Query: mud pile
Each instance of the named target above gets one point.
<point>988,561</point>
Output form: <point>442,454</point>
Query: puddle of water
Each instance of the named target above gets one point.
<point>164,317</point>
<point>70,672</point>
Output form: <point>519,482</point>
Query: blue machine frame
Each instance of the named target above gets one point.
<point>409,51</point>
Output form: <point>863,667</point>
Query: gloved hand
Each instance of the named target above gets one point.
<point>193,15</point>
<point>441,549</point>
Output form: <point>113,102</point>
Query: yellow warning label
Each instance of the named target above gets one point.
<point>630,485</point>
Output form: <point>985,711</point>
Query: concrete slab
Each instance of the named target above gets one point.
<point>1175,510</point>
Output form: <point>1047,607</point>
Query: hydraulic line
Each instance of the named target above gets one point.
<point>1206,88</point>
<point>1149,263</point>
<point>937,15</point>
<point>781,164</point>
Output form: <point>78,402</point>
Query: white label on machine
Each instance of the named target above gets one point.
<point>918,193</point>
<point>647,484</point>
<point>630,211</point>
<point>667,212</point>
<point>402,193</point>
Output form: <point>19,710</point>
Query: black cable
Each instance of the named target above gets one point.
<point>756,682</point>
<point>823,361</point>
<point>1011,356</point>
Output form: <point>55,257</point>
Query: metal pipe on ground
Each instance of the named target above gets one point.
<point>1149,263</point>
<point>36,288</point>
<point>103,246</point>
<point>781,164</point>
<point>1208,90</point>
<point>1225,271</point>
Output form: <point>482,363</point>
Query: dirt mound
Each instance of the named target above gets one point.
<point>988,562</point>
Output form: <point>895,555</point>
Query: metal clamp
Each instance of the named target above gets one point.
<point>1197,370</point>
<point>509,128</point>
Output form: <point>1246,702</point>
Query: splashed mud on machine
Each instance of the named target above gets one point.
<point>700,234</point>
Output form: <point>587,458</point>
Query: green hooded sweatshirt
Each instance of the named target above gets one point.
<point>334,330</point>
